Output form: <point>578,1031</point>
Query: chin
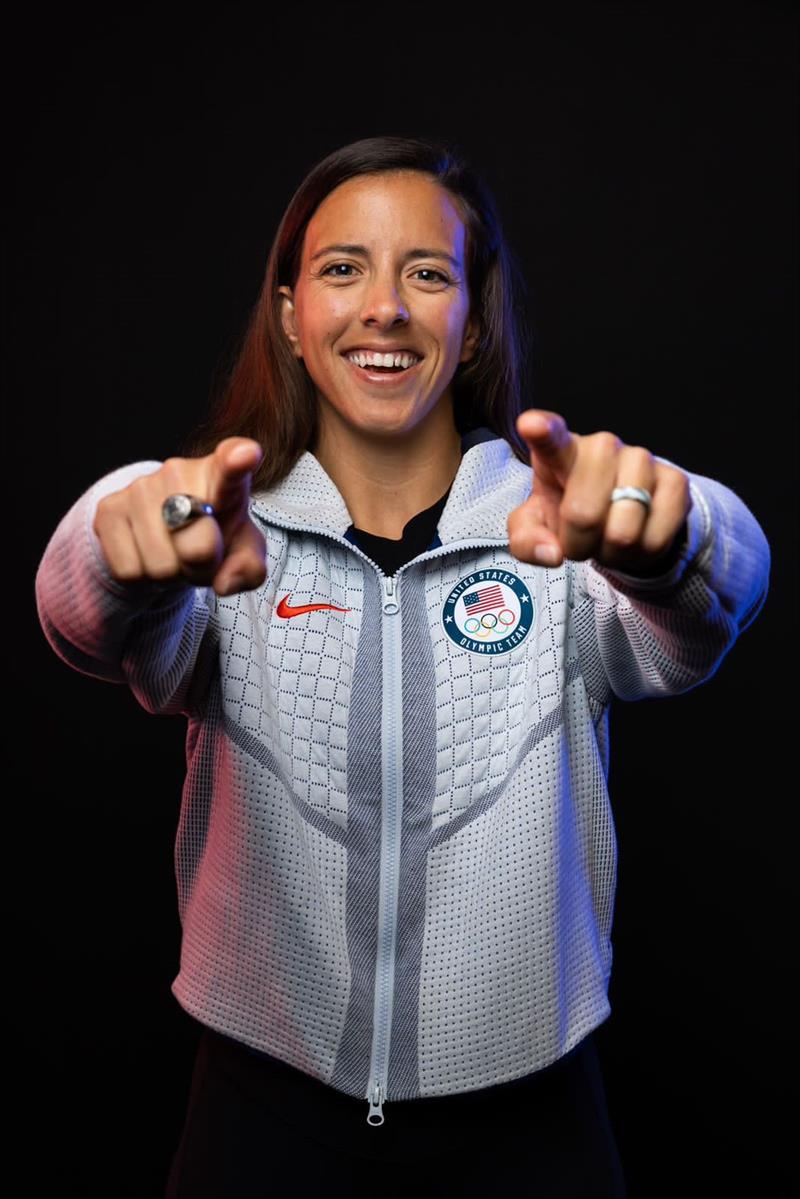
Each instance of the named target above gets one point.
<point>386,414</point>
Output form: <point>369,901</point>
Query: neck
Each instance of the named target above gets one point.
<point>385,480</point>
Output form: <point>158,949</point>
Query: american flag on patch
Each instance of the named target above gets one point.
<point>483,598</point>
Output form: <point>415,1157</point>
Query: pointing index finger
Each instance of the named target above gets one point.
<point>547,431</point>
<point>234,459</point>
<point>548,437</point>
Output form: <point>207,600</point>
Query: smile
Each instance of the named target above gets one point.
<point>382,378</point>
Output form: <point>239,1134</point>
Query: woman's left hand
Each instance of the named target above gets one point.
<point>570,508</point>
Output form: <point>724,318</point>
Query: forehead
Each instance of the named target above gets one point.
<point>394,209</point>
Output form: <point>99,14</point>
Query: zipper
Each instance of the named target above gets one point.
<point>392,820</point>
<point>392,804</point>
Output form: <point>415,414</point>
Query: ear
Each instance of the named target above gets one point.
<point>472,336</point>
<point>288,320</point>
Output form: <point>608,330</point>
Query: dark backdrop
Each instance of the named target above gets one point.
<point>644,161</point>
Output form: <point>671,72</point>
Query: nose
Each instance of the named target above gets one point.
<point>383,303</point>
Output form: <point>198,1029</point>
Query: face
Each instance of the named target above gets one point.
<point>400,284</point>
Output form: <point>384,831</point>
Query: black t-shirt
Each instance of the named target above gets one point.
<point>419,535</point>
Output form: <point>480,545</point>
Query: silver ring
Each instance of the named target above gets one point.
<point>179,510</point>
<point>632,493</point>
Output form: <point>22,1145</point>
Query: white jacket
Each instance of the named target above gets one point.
<point>396,859</point>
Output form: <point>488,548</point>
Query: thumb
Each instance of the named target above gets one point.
<point>245,564</point>
<point>530,534</point>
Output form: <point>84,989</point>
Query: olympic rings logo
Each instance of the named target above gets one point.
<point>488,622</point>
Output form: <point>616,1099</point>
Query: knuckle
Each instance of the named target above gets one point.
<point>675,483</point>
<point>580,512</point>
<point>100,516</point>
<point>605,440</point>
<point>622,538</point>
<point>140,490</point>
<point>172,476</point>
<point>109,503</point>
<point>199,549</point>
<point>109,511</point>
<point>675,478</point>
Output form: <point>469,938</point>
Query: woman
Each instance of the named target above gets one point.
<point>396,858</point>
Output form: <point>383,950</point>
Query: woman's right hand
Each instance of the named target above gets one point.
<point>226,551</point>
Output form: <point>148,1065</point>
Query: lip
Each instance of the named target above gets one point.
<point>376,379</point>
<point>382,350</point>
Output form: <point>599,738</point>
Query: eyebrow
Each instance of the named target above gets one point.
<point>417,252</point>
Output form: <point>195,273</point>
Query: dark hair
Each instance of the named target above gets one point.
<point>268,394</point>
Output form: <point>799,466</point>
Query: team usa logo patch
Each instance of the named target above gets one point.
<point>489,612</point>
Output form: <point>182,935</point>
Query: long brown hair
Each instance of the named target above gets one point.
<point>268,394</point>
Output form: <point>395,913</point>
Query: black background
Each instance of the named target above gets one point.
<point>644,161</point>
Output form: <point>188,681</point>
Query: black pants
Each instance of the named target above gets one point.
<point>254,1125</point>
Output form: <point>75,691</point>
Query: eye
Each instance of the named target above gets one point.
<point>337,266</point>
<point>430,270</point>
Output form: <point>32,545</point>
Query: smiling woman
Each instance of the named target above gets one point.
<point>396,858</point>
<point>382,342</point>
<point>388,243</point>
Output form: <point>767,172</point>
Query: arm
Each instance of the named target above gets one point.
<point>644,637</point>
<point>154,636</point>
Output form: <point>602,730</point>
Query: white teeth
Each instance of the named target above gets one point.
<point>370,358</point>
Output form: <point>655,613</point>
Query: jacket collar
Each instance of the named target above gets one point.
<point>489,483</point>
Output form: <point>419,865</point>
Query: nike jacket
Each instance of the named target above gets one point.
<point>395,858</point>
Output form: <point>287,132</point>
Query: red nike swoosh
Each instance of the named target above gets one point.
<point>286,609</point>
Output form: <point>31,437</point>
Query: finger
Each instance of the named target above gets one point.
<point>245,565</point>
<point>200,548</point>
<point>229,471</point>
<point>583,511</point>
<point>530,536</point>
<point>672,501</point>
<point>553,447</point>
<point>118,545</point>
<point>628,522</point>
<point>157,547</point>
<point>193,552</point>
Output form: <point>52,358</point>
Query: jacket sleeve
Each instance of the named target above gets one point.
<point>150,634</point>
<point>645,637</point>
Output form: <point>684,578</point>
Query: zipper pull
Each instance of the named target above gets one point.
<point>376,1106</point>
<point>390,604</point>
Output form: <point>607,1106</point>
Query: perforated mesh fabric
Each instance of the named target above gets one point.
<point>507,858</point>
